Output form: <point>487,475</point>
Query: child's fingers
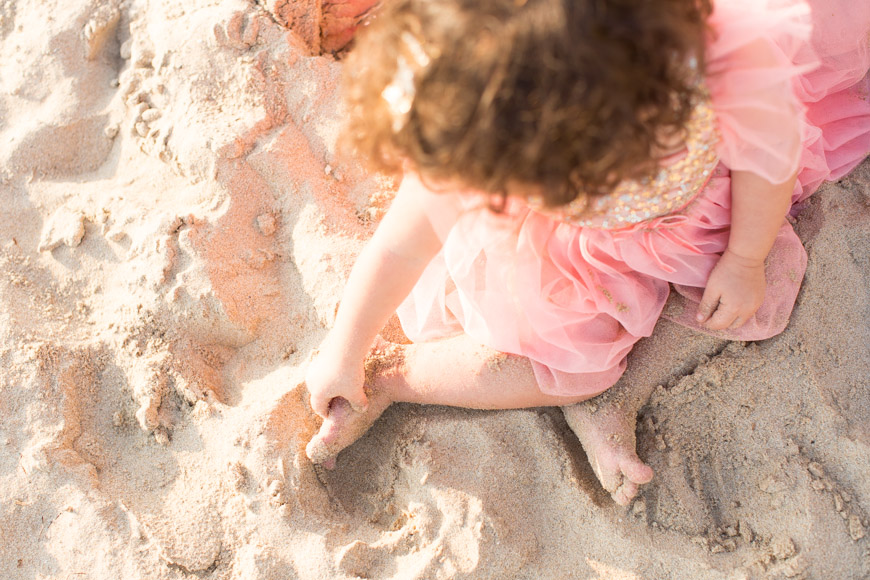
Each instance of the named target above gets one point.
<point>709,302</point>
<point>359,403</point>
<point>744,316</point>
<point>723,318</point>
<point>320,405</point>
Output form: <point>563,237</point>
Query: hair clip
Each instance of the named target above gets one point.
<point>399,94</point>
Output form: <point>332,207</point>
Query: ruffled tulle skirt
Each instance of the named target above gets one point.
<point>575,300</point>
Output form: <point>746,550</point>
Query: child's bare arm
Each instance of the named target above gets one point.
<point>736,287</point>
<point>382,277</point>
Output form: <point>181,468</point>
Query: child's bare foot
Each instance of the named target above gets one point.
<point>607,434</point>
<point>341,428</point>
<point>344,426</point>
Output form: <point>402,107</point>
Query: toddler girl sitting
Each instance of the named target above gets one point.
<point>567,162</point>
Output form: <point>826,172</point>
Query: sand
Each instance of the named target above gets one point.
<point>176,223</point>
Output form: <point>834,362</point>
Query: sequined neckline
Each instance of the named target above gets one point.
<point>668,191</point>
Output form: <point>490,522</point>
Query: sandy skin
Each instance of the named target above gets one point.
<point>607,432</point>
<point>414,373</point>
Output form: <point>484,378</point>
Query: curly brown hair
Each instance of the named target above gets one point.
<point>571,96</point>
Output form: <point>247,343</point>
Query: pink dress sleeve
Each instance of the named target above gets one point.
<point>756,53</point>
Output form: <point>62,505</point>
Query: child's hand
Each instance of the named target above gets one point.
<point>329,377</point>
<point>734,292</point>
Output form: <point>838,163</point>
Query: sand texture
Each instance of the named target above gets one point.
<point>176,224</point>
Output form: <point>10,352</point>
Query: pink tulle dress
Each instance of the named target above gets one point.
<point>573,290</point>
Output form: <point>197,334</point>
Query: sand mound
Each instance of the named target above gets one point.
<point>177,224</point>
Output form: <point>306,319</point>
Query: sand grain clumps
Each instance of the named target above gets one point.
<point>65,226</point>
<point>100,31</point>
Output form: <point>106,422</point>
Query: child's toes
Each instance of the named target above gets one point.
<point>317,450</point>
<point>625,492</point>
<point>632,473</point>
<point>611,478</point>
<point>636,470</point>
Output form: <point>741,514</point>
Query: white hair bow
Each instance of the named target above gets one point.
<point>399,94</point>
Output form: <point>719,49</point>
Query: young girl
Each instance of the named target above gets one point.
<point>566,162</point>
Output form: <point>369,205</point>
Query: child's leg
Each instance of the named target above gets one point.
<point>456,372</point>
<point>460,373</point>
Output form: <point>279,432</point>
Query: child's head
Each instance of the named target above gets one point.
<point>570,95</point>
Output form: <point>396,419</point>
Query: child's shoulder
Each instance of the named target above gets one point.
<point>756,53</point>
<point>740,23</point>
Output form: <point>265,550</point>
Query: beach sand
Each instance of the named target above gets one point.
<point>176,224</point>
